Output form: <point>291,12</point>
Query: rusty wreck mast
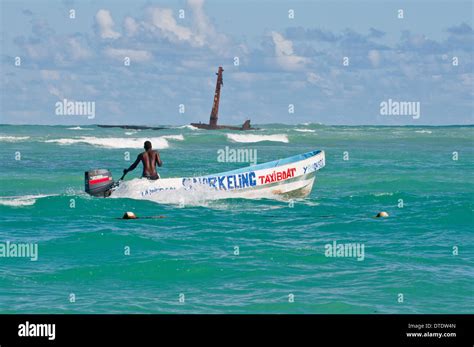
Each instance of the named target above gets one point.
<point>215,110</point>
<point>217,96</point>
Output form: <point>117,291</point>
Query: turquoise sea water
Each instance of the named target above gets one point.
<point>282,248</point>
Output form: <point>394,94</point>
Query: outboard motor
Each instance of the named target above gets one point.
<point>98,182</point>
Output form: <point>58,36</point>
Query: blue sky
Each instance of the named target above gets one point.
<point>282,60</point>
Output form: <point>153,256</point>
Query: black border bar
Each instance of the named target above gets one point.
<point>339,328</point>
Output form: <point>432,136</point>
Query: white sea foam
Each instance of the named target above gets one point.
<point>79,128</point>
<point>305,130</point>
<point>310,123</point>
<point>13,138</point>
<point>423,131</point>
<point>308,202</point>
<point>19,201</point>
<point>179,137</point>
<point>383,194</point>
<point>250,138</point>
<point>188,126</point>
<point>117,142</point>
<point>164,192</point>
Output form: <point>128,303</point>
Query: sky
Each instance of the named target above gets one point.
<point>329,62</point>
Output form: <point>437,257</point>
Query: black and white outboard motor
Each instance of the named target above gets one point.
<point>98,182</point>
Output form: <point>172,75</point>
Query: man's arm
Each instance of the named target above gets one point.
<point>134,165</point>
<point>158,159</point>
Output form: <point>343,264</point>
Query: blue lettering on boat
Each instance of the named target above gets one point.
<point>151,191</point>
<point>252,179</point>
<point>314,166</point>
<point>227,182</point>
<point>221,182</point>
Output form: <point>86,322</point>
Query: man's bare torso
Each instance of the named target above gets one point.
<point>149,159</point>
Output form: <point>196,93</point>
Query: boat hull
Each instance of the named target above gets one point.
<point>281,179</point>
<point>220,127</point>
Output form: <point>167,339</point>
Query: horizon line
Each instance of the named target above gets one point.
<point>259,124</point>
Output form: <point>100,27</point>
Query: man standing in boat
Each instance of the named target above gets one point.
<point>149,159</point>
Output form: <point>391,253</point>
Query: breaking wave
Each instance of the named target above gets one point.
<point>118,142</point>
<point>20,201</point>
<point>79,128</point>
<point>423,131</point>
<point>305,130</point>
<point>251,138</point>
<point>174,137</point>
<point>187,126</point>
<point>13,138</point>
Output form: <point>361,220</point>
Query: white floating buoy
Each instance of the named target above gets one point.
<point>129,215</point>
<point>382,214</point>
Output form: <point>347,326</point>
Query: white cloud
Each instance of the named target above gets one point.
<point>37,51</point>
<point>134,55</point>
<point>285,55</point>
<point>49,74</point>
<point>205,33</point>
<point>55,91</point>
<point>77,51</point>
<point>130,25</point>
<point>374,57</point>
<point>201,33</point>
<point>313,78</point>
<point>105,24</point>
<point>201,24</point>
<point>325,85</point>
<point>162,18</point>
<point>194,63</point>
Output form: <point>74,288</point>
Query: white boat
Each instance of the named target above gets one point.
<point>287,178</point>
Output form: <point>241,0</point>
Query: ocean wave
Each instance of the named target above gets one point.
<point>250,138</point>
<point>19,201</point>
<point>370,195</point>
<point>79,128</point>
<point>423,131</point>
<point>118,142</point>
<point>179,137</point>
<point>305,130</point>
<point>13,138</point>
<point>187,126</point>
<point>310,123</point>
<point>382,194</point>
